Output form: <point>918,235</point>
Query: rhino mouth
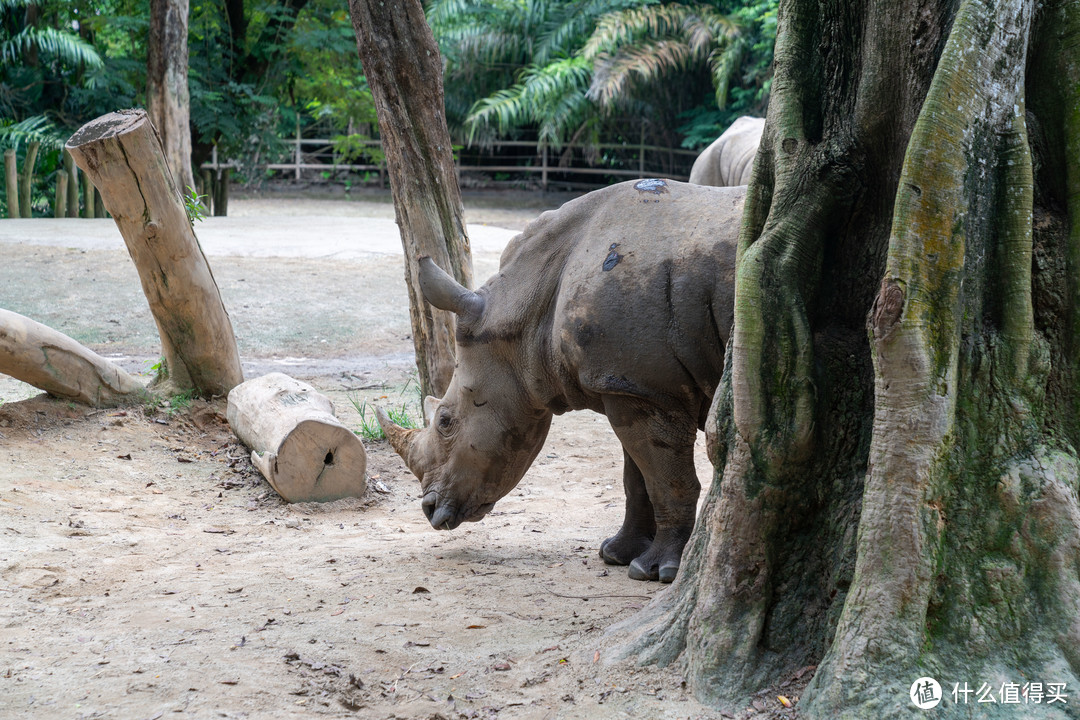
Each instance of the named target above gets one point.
<point>444,515</point>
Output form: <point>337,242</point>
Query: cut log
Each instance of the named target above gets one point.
<point>53,362</point>
<point>60,204</point>
<point>121,154</point>
<point>303,451</point>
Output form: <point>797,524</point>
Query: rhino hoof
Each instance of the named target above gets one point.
<point>617,550</point>
<point>668,571</point>
<point>638,572</point>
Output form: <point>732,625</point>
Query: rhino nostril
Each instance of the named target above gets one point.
<point>428,504</point>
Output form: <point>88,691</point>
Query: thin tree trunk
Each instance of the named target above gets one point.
<point>26,182</point>
<point>404,68</point>
<point>121,154</point>
<point>11,180</point>
<point>167,101</point>
<point>53,362</point>
<point>897,495</point>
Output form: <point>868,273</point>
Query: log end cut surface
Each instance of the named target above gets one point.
<point>317,462</point>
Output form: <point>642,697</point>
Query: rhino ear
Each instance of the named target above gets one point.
<point>431,404</point>
<point>446,293</point>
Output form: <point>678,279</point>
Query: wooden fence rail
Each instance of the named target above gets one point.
<point>318,154</point>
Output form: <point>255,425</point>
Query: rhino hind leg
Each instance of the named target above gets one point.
<point>639,525</point>
<point>661,447</point>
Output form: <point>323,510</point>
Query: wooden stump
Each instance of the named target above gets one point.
<point>26,181</point>
<point>11,180</point>
<point>53,362</point>
<point>304,452</point>
<point>121,154</point>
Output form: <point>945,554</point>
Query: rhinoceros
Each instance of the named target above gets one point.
<point>730,158</point>
<point>620,302</point>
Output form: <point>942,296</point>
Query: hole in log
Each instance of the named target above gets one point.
<point>329,459</point>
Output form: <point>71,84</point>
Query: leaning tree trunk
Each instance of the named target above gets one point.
<point>121,154</point>
<point>404,68</point>
<point>167,85</point>
<point>897,429</point>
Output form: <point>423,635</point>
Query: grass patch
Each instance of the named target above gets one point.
<point>369,424</point>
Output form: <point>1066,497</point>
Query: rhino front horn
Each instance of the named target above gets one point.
<point>401,439</point>
<point>446,293</point>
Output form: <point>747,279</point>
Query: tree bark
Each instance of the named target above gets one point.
<point>11,183</point>
<point>303,451</point>
<point>896,494</point>
<point>121,154</point>
<point>167,101</point>
<point>53,362</point>
<point>404,69</point>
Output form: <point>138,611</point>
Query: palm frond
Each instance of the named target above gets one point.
<point>570,22</point>
<point>723,64</point>
<point>544,96</point>
<point>645,62</point>
<point>50,42</point>
<point>33,129</point>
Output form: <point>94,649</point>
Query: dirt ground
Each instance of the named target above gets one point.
<point>148,571</point>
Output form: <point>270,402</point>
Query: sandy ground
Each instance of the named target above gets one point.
<point>147,571</point>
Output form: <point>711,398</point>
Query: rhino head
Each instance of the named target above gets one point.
<point>483,435</point>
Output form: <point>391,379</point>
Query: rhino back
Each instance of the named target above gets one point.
<point>645,296</point>
<point>729,160</point>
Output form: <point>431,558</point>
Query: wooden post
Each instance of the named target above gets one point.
<point>72,185</point>
<point>88,194</point>
<point>11,178</point>
<point>53,362</point>
<point>60,204</point>
<point>122,155</point>
<point>544,167</point>
<point>26,182</point>
<point>208,190</point>
<point>298,155</point>
<point>221,193</point>
<point>99,205</point>
<point>303,451</point>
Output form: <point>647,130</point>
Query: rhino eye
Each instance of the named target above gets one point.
<point>445,421</point>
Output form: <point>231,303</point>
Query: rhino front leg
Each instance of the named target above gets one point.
<point>661,445</point>
<point>639,527</point>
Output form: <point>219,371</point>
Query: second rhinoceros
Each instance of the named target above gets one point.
<point>620,302</point>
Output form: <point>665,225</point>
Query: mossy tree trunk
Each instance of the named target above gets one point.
<point>897,429</point>
<point>404,68</point>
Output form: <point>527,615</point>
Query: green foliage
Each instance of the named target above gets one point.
<point>369,424</point>
<point>585,68</point>
<point>193,206</point>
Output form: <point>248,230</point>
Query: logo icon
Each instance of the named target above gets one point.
<point>925,693</point>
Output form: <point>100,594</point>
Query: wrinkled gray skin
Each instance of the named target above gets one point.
<point>620,302</point>
<point>730,158</point>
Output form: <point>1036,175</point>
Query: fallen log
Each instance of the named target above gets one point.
<point>53,362</point>
<point>303,451</point>
<point>122,155</point>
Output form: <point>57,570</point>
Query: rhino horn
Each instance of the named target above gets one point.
<point>402,440</point>
<point>446,293</point>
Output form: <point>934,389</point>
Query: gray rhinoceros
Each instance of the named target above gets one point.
<point>730,158</point>
<point>620,302</point>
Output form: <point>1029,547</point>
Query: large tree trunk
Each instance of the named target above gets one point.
<point>897,430</point>
<point>53,362</point>
<point>121,154</point>
<point>167,85</point>
<point>404,68</point>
